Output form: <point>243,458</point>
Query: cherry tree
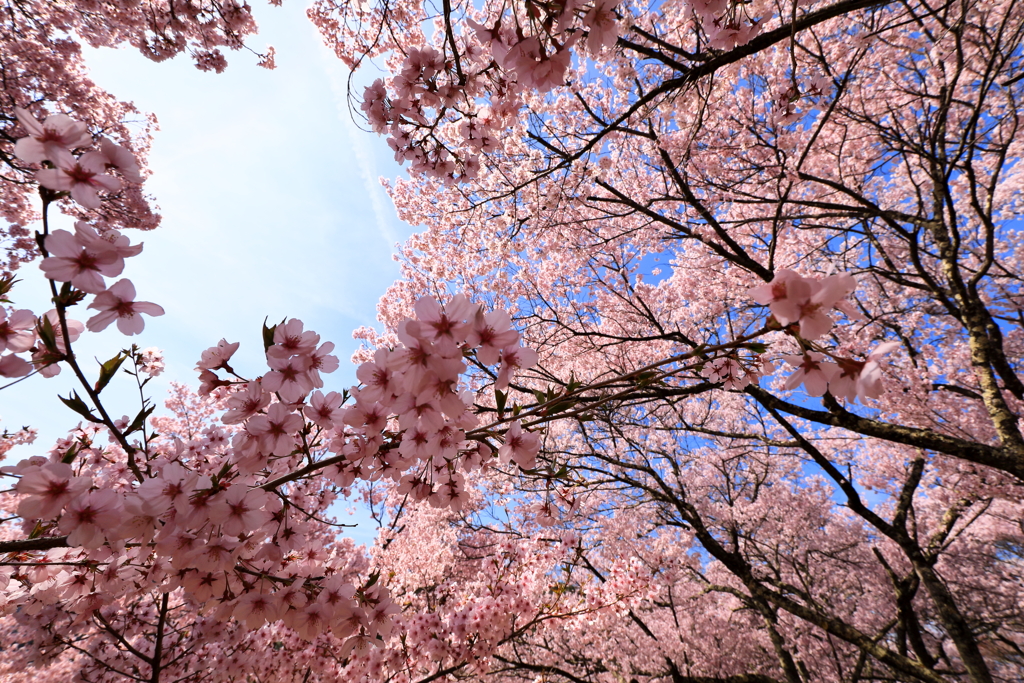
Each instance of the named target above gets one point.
<point>704,368</point>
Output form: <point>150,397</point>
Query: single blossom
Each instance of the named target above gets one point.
<point>812,371</point>
<point>245,403</point>
<point>520,446</point>
<point>491,332</point>
<point>239,510</point>
<point>16,330</point>
<point>57,133</point>
<point>80,260</point>
<point>47,489</point>
<point>14,366</point>
<point>861,379</point>
<point>275,430</point>
<point>90,517</point>
<point>291,340</point>
<point>120,158</point>
<point>83,177</point>
<point>118,303</point>
<point>75,329</point>
<point>217,357</point>
<point>289,377</point>
<point>324,410</point>
<point>514,358</point>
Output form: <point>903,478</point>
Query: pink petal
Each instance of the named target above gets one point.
<point>63,243</point>
<point>148,308</point>
<point>101,321</point>
<point>85,195</point>
<point>130,325</point>
<point>30,150</point>
<point>54,179</point>
<point>123,290</point>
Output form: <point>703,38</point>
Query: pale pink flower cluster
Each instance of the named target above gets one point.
<point>795,300</point>
<point>82,258</point>
<point>151,361</point>
<point>83,177</point>
<point>734,373</point>
<point>848,378</point>
<point>725,23</point>
<point>416,386</point>
<point>427,90</point>
<point>207,517</point>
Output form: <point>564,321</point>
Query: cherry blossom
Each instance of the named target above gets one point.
<point>80,261</point>
<point>118,303</point>
<point>47,489</point>
<point>46,140</point>
<point>82,177</point>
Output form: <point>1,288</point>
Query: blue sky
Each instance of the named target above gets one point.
<point>271,207</point>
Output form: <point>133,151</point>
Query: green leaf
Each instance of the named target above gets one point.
<point>540,396</point>
<point>646,377</point>
<point>500,397</point>
<point>69,457</point>
<point>78,405</point>
<point>372,580</point>
<point>268,334</point>
<point>108,370</point>
<point>561,406</point>
<point>47,335</point>
<point>140,420</point>
<point>757,347</point>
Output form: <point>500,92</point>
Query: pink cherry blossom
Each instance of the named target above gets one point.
<point>81,262</point>
<point>275,430</point>
<point>120,158</point>
<point>16,330</point>
<point>324,410</point>
<point>291,340</point>
<point>520,447</point>
<point>239,510</point>
<point>217,357</point>
<point>83,177</point>
<point>118,303</point>
<point>514,358</point>
<point>246,402</point>
<point>861,379</point>
<point>14,366</point>
<point>48,488</point>
<point>491,332</point>
<point>90,517</point>
<point>289,377</point>
<point>57,132</point>
<point>812,371</point>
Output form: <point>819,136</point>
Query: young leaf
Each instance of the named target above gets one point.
<point>140,420</point>
<point>47,335</point>
<point>499,398</point>
<point>108,370</point>
<point>268,334</point>
<point>78,405</point>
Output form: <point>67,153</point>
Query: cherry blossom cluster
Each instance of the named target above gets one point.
<point>801,305</point>
<point>221,514</point>
<point>533,54</point>
<point>414,390</point>
<point>81,259</point>
<point>503,55</point>
<point>727,24</point>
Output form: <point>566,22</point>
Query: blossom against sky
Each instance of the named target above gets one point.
<point>271,208</point>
